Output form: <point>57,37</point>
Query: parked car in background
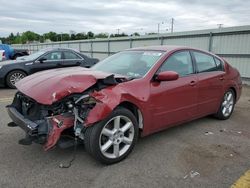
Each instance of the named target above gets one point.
<point>2,55</point>
<point>11,72</point>
<point>11,53</point>
<point>141,90</point>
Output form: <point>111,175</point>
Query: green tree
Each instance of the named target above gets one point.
<point>135,34</point>
<point>90,35</point>
<point>72,36</point>
<point>102,35</point>
<point>29,36</point>
<point>81,36</point>
<point>51,35</point>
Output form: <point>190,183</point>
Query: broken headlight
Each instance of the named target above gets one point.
<point>81,109</point>
<point>83,105</point>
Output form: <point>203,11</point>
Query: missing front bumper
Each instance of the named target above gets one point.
<point>47,131</point>
<point>28,126</point>
<point>35,131</point>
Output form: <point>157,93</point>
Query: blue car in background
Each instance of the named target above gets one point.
<point>11,53</point>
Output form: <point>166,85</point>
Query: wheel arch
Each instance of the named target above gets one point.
<point>235,92</point>
<point>135,110</point>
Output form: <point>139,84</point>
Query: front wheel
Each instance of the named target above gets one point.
<point>227,105</point>
<point>112,139</point>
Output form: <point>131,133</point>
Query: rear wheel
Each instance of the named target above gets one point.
<point>13,77</point>
<point>227,105</point>
<point>112,139</point>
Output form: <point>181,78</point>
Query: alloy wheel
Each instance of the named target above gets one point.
<point>227,104</point>
<point>116,137</point>
<point>15,77</point>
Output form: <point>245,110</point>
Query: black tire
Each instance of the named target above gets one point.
<point>92,137</point>
<point>220,114</point>
<point>9,81</point>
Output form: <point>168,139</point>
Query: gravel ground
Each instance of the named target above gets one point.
<point>203,153</point>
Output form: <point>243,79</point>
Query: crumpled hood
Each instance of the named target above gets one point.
<point>47,87</point>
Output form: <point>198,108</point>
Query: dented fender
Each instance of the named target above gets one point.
<point>107,100</point>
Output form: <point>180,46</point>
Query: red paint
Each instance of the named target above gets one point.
<point>50,86</point>
<point>167,76</point>
<point>55,131</point>
<point>162,104</point>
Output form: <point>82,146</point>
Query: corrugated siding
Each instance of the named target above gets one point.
<point>231,44</point>
<point>199,42</point>
<point>119,46</point>
<point>140,43</point>
<point>242,64</point>
<point>228,42</point>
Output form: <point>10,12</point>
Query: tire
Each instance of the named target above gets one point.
<point>119,139</point>
<point>13,77</point>
<point>226,106</point>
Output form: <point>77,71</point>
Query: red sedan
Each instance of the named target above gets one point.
<point>140,90</point>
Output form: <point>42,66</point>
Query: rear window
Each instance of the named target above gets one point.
<point>205,62</point>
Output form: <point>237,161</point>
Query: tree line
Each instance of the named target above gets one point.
<point>30,37</point>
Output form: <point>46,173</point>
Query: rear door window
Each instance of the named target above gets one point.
<point>219,64</point>
<point>205,62</point>
<point>70,56</point>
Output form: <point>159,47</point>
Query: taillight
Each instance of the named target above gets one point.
<point>3,55</point>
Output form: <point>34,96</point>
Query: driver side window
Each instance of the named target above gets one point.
<point>179,62</point>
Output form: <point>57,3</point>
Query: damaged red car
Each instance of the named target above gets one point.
<point>133,93</point>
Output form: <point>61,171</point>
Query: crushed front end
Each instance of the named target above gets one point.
<point>46,124</point>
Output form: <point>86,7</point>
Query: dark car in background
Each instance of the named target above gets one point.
<point>11,72</point>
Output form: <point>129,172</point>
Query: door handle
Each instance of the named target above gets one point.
<point>192,83</point>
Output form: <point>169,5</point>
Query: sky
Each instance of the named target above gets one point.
<point>128,16</point>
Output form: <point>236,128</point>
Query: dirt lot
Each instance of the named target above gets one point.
<point>204,153</point>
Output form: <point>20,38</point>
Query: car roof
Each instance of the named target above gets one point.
<point>165,48</point>
<point>169,48</point>
<point>57,48</point>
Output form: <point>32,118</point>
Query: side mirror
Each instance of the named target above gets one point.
<point>167,76</point>
<point>41,60</point>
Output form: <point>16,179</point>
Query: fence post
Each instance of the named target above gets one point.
<point>91,48</point>
<point>162,40</point>
<point>79,46</point>
<point>108,47</point>
<point>210,43</point>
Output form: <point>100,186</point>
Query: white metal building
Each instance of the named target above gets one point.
<point>232,43</point>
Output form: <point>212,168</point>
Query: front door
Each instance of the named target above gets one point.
<point>173,102</point>
<point>51,60</point>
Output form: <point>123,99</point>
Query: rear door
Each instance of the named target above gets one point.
<point>172,102</point>
<point>71,59</point>
<point>210,82</point>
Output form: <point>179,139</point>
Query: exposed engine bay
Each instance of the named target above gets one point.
<point>45,124</point>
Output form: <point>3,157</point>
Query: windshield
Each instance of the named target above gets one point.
<point>32,56</point>
<point>133,64</point>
